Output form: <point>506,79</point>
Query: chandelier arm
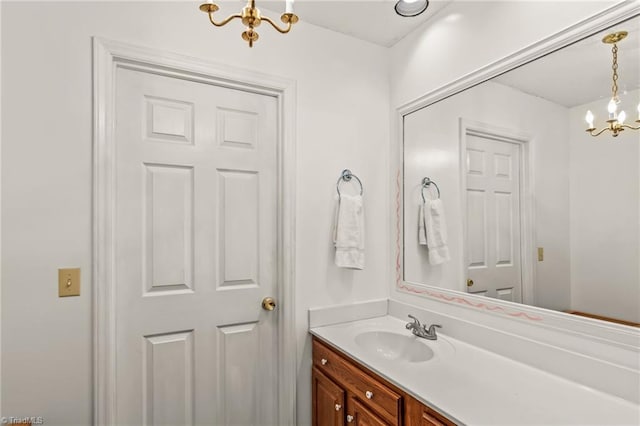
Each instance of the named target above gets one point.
<point>598,133</point>
<point>274,25</point>
<point>630,127</point>
<point>226,21</point>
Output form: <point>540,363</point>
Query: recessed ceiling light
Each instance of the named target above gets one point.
<point>410,8</point>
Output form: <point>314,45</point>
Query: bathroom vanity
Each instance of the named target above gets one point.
<point>510,162</point>
<point>376,372</point>
<point>345,391</point>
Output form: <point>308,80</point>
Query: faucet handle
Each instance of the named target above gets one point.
<point>432,327</point>
<point>415,321</point>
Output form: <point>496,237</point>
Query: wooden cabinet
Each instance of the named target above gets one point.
<point>370,400</point>
<point>328,401</point>
<point>359,415</point>
<point>418,414</point>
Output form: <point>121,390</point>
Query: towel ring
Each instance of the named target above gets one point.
<point>346,176</point>
<point>426,182</point>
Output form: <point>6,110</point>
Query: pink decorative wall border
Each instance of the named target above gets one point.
<point>398,248</point>
<point>437,295</point>
<point>469,303</point>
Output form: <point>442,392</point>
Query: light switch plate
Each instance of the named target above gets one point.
<point>68,282</point>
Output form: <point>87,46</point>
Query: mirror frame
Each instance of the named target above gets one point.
<point>605,332</point>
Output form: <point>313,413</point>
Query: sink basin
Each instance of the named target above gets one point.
<point>394,346</point>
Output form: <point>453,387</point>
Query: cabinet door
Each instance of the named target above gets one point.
<point>418,414</point>
<point>359,415</point>
<point>328,401</point>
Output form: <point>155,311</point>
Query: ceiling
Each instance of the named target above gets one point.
<point>373,21</point>
<point>581,73</point>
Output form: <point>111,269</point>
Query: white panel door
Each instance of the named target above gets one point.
<point>196,225</point>
<point>493,218</point>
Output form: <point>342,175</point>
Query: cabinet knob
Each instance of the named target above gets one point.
<point>368,394</point>
<point>338,407</point>
<point>349,418</point>
<point>323,361</point>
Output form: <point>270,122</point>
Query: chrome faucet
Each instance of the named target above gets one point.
<point>421,330</point>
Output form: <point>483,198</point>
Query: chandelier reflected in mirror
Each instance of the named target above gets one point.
<point>615,123</point>
<point>251,17</point>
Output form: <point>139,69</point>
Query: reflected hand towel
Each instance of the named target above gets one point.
<point>436,227</point>
<point>422,230</point>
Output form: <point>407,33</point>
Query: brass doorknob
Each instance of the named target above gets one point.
<point>469,282</point>
<point>268,304</point>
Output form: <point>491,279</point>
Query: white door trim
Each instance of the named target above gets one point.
<point>0,221</point>
<point>527,211</point>
<point>108,56</point>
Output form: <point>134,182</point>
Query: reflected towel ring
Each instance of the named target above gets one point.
<point>426,182</point>
<point>346,176</point>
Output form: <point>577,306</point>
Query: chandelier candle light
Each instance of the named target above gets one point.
<point>251,18</point>
<point>616,120</point>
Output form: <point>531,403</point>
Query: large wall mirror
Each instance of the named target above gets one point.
<point>537,210</point>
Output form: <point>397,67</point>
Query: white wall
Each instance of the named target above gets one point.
<point>342,121</point>
<point>605,217</point>
<point>462,38</point>
<point>343,110</point>
<point>432,147</point>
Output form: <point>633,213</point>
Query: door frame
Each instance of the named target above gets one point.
<point>108,56</point>
<point>527,211</point>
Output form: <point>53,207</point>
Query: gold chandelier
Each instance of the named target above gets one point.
<point>251,18</point>
<point>615,123</point>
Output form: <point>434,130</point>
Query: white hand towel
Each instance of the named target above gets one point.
<point>348,235</point>
<point>422,230</point>
<point>436,227</point>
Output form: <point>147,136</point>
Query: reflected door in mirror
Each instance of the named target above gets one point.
<point>493,218</point>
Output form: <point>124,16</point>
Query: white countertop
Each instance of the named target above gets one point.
<point>477,387</point>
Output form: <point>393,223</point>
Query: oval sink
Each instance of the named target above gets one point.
<point>394,346</point>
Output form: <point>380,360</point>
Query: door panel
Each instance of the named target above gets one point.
<point>169,120</point>
<point>504,228</point>
<point>195,191</point>
<point>168,379</point>
<point>238,228</point>
<point>237,348</point>
<point>493,218</point>
<point>168,228</point>
<point>476,229</point>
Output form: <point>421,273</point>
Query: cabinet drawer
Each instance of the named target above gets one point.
<point>368,390</point>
